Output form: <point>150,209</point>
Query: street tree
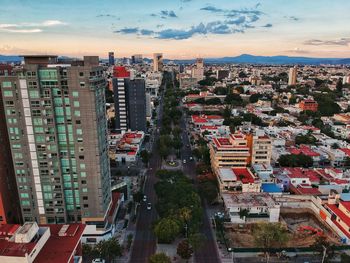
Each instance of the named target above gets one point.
<point>109,249</point>
<point>197,241</point>
<point>269,235</point>
<point>159,258</point>
<point>166,230</point>
<point>184,250</point>
<point>324,248</point>
<point>145,156</point>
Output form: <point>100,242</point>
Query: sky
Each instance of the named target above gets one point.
<point>178,28</point>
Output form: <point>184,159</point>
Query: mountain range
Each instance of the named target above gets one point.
<point>242,59</point>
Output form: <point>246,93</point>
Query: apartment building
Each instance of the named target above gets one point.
<point>55,115</point>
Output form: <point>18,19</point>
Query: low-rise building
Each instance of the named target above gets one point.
<point>251,207</point>
<point>33,243</point>
<point>308,105</point>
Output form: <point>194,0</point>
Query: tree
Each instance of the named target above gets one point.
<point>137,197</point>
<point>184,250</point>
<point>324,248</point>
<point>269,235</point>
<point>109,249</point>
<point>167,230</point>
<point>255,97</point>
<point>145,156</point>
<point>243,213</point>
<point>234,99</point>
<point>305,139</point>
<point>197,241</point>
<point>295,160</point>
<point>159,258</point>
<point>89,251</point>
<point>208,190</point>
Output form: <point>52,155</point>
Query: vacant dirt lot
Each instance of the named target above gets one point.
<point>303,226</point>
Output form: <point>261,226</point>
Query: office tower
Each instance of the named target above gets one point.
<point>129,101</point>
<point>111,58</point>
<point>148,105</point>
<point>157,62</point>
<point>136,59</point>
<point>292,80</point>
<point>9,203</point>
<point>59,144</point>
<point>198,69</point>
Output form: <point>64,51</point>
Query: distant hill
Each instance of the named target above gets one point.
<point>10,59</point>
<point>273,60</point>
<point>242,59</point>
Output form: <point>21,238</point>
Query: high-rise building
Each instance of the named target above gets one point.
<point>129,101</point>
<point>136,59</point>
<point>111,58</point>
<point>198,69</point>
<point>58,136</point>
<point>157,62</point>
<point>9,203</point>
<point>292,78</point>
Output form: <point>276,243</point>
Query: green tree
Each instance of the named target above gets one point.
<point>269,235</point>
<point>145,156</point>
<point>137,197</point>
<point>197,241</point>
<point>184,250</point>
<point>166,230</point>
<point>234,99</point>
<point>255,97</point>
<point>159,258</point>
<point>109,249</point>
<point>208,190</point>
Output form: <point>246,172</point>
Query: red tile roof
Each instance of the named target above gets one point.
<point>244,175</point>
<point>340,214</point>
<point>303,149</point>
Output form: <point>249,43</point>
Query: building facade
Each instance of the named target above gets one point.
<point>59,144</point>
<point>292,77</point>
<point>9,203</point>
<point>157,62</point>
<point>129,101</point>
<point>111,60</point>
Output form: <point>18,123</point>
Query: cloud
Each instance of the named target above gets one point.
<point>30,27</point>
<point>257,5</point>
<point>231,21</point>
<point>337,42</point>
<point>292,18</point>
<point>185,1</point>
<point>212,9</point>
<point>108,16</point>
<point>267,25</point>
<point>298,50</point>
<point>128,30</point>
<point>146,32</point>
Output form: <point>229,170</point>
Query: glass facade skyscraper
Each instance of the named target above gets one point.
<point>56,121</point>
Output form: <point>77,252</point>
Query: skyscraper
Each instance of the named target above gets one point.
<point>129,101</point>
<point>9,203</point>
<point>111,58</point>
<point>292,80</point>
<point>58,138</point>
<point>157,62</point>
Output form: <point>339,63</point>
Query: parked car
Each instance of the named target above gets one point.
<point>184,161</point>
<point>149,206</point>
<point>144,198</point>
<point>98,260</point>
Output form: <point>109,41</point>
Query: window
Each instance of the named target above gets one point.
<point>77,113</point>
<point>75,94</point>
<point>6,84</point>
<point>34,94</point>
<point>76,103</point>
<point>83,174</point>
<point>24,195</point>
<point>79,131</point>
<point>8,93</point>
<point>82,166</point>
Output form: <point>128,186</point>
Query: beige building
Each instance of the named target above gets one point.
<point>292,80</point>
<point>261,148</point>
<point>157,62</point>
<point>231,151</point>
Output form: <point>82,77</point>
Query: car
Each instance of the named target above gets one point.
<point>149,206</point>
<point>98,260</point>
<point>184,161</point>
<point>188,146</point>
<point>144,198</point>
<point>191,158</point>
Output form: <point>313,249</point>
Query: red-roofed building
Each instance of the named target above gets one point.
<point>120,72</point>
<point>38,244</point>
<point>309,105</point>
<point>206,120</point>
<point>306,150</point>
<point>230,151</point>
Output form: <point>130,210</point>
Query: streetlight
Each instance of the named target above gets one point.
<point>230,250</point>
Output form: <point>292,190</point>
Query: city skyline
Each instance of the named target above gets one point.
<point>180,29</point>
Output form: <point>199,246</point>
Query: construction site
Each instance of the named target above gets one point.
<point>302,224</point>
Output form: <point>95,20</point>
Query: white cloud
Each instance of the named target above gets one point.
<point>30,27</point>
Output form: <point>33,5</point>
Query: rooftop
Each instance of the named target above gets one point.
<point>248,199</point>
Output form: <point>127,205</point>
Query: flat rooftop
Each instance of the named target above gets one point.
<point>248,199</point>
